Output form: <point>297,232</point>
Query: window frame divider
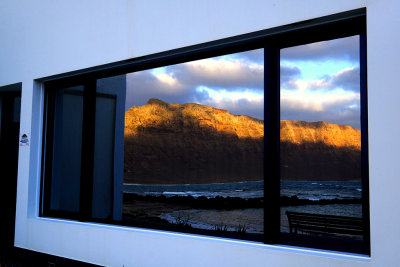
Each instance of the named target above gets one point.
<point>87,152</point>
<point>364,140</point>
<point>271,144</point>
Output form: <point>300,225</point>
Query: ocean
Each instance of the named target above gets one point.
<point>240,189</point>
<point>253,218</point>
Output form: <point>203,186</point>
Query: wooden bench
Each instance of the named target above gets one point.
<point>324,223</point>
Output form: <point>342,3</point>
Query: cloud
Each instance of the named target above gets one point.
<point>242,106</point>
<point>288,76</point>
<point>338,49</point>
<point>344,116</point>
<point>143,85</point>
<point>334,98</point>
<point>245,102</point>
<point>336,106</point>
<point>229,74</point>
<point>348,79</point>
<point>227,82</point>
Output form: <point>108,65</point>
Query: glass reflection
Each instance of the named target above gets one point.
<point>320,147</point>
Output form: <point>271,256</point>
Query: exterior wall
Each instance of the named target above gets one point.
<point>53,37</point>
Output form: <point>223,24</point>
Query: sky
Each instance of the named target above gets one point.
<point>319,82</point>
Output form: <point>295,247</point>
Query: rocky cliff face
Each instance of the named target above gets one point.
<point>319,151</point>
<point>192,143</point>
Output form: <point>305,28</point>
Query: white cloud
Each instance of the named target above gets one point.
<point>335,106</point>
<point>317,101</point>
<point>168,80</point>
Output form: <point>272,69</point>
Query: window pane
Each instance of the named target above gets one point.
<point>108,149</point>
<point>194,146</point>
<point>320,147</point>
<point>67,144</point>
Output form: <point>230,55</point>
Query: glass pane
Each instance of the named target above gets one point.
<point>17,109</point>
<point>65,183</point>
<point>107,186</point>
<point>194,146</point>
<point>320,147</point>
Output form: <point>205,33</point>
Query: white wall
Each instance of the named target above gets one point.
<point>49,37</point>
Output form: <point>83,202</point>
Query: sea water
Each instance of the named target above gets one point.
<point>319,190</point>
<point>312,190</point>
<point>254,218</point>
<point>239,189</point>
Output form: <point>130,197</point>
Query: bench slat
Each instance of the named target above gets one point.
<point>324,223</point>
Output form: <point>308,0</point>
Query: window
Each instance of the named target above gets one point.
<point>321,142</point>
<point>229,139</point>
<point>194,145</point>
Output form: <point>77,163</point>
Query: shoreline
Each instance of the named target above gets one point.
<point>231,203</point>
<point>223,216</point>
<point>241,181</point>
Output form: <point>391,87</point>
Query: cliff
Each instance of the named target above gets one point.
<point>319,151</point>
<point>192,143</point>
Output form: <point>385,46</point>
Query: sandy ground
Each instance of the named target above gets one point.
<point>252,219</point>
<point>201,218</point>
<point>144,209</point>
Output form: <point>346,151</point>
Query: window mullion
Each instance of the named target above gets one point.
<point>271,144</point>
<point>88,132</point>
<point>364,139</point>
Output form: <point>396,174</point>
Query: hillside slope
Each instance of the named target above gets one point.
<point>319,151</point>
<point>192,143</point>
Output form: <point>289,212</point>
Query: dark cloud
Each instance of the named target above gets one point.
<point>348,79</point>
<point>226,74</point>
<point>180,82</point>
<point>338,49</point>
<point>289,74</point>
<point>141,86</point>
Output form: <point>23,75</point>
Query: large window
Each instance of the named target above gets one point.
<point>259,137</point>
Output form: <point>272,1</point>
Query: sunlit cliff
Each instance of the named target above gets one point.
<point>193,143</point>
<point>319,151</point>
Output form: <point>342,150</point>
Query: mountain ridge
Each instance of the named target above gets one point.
<point>194,143</point>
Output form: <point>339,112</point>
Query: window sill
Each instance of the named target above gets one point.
<point>201,238</point>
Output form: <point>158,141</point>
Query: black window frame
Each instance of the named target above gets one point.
<point>330,27</point>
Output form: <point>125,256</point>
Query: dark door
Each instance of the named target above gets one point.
<point>10,105</point>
